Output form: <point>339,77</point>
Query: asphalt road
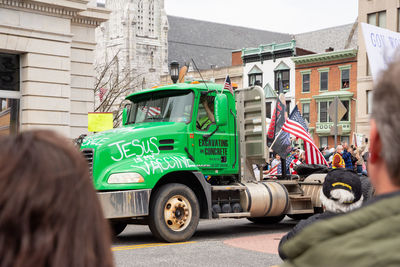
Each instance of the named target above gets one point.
<point>210,246</point>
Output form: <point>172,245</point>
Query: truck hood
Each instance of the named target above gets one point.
<point>131,132</point>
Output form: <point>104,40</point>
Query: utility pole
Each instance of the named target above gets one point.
<point>336,119</point>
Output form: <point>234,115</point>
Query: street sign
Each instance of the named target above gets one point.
<point>339,130</point>
<point>341,110</point>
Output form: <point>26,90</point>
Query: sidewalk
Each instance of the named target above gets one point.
<point>261,243</point>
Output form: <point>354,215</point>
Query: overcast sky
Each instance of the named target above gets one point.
<point>288,16</point>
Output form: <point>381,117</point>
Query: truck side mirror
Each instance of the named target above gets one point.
<point>221,109</point>
<point>124,115</point>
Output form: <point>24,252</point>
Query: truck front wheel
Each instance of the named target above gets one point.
<point>174,213</point>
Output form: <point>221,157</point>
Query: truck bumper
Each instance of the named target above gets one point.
<point>125,204</point>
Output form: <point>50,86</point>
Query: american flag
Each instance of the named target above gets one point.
<point>277,169</point>
<point>296,126</point>
<point>102,92</point>
<point>228,84</point>
<point>290,160</point>
<point>153,111</point>
<point>293,164</point>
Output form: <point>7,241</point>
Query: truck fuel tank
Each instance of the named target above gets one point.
<point>267,198</point>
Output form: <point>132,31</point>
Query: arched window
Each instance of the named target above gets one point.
<point>140,18</point>
<point>151,18</point>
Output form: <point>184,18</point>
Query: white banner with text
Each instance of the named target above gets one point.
<point>382,45</point>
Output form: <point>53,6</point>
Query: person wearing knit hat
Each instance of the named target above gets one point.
<point>341,192</point>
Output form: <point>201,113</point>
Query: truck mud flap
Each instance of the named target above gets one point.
<point>125,204</point>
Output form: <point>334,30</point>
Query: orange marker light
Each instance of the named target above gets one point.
<point>191,136</point>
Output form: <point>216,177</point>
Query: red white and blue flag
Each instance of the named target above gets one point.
<point>228,84</point>
<point>151,111</point>
<point>297,126</point>
<point>277,169</point>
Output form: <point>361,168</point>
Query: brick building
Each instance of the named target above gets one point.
<point>319,79</point>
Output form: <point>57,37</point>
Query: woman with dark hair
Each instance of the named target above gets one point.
<point>49,212</point>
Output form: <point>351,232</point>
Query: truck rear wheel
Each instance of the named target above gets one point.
<point>174,213</point>
<point>267,220</point>
<point>117,227</point>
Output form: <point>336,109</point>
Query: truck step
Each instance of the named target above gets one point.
<point>288,182</point>
<point>303,211</point>
<point>228,187</point>
<point>300,204</point>
<point>298,197</point>
<point>233,215</point>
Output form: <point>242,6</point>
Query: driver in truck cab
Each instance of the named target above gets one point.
<point>204,120</point>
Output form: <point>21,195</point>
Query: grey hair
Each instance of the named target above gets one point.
<point>338,204</point>
<point>386,112</point>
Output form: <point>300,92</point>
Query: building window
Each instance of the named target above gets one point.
<point>9,94</point>
<point>345,139</point>
<point>306,111</point>
<point>268,106</point>
<point>346,103</point>
<point>369,101</point>
<point>323,81</point>
<point>288,106</point>
<point>255,79</point>
<point>323,141</point>
<point>285,76</point>
<point>323,111</point>
<point>101,3</point>
<point>306,82</point>
<point>345,78</point>
<point>151,18</point>
<point>398,19</point>
<point>377,19</point>
<point>140,18</point>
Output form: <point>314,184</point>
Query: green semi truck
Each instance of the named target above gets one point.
<point>186,152</point>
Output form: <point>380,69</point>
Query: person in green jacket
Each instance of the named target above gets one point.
<point>370,235</point>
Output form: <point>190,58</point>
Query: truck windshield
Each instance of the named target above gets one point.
<point>165,108</point>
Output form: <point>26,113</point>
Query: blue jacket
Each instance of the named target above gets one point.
<point>347,159</point>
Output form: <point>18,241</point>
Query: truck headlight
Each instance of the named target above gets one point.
<point>125,178</point>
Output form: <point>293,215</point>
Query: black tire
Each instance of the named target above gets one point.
<point>266,220</point>
<point>299,216</point>
<point>174,213</point>
<point>117,227</point>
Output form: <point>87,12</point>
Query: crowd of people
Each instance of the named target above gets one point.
<point>343,156</point>
<point>366,235</point>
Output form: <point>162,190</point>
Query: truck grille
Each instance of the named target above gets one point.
<point>88,154</point>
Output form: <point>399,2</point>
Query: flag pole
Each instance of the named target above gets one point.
<point>275,139</point>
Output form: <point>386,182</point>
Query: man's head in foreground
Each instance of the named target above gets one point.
<point>384,151</point>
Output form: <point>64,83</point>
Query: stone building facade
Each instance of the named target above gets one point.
<point>319,79</point>
<point>379,13</point>
<point>137,32</point>
<point>46,64</point>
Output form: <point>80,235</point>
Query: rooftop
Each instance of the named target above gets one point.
<point>210,43</point>
<point>328,56</point>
